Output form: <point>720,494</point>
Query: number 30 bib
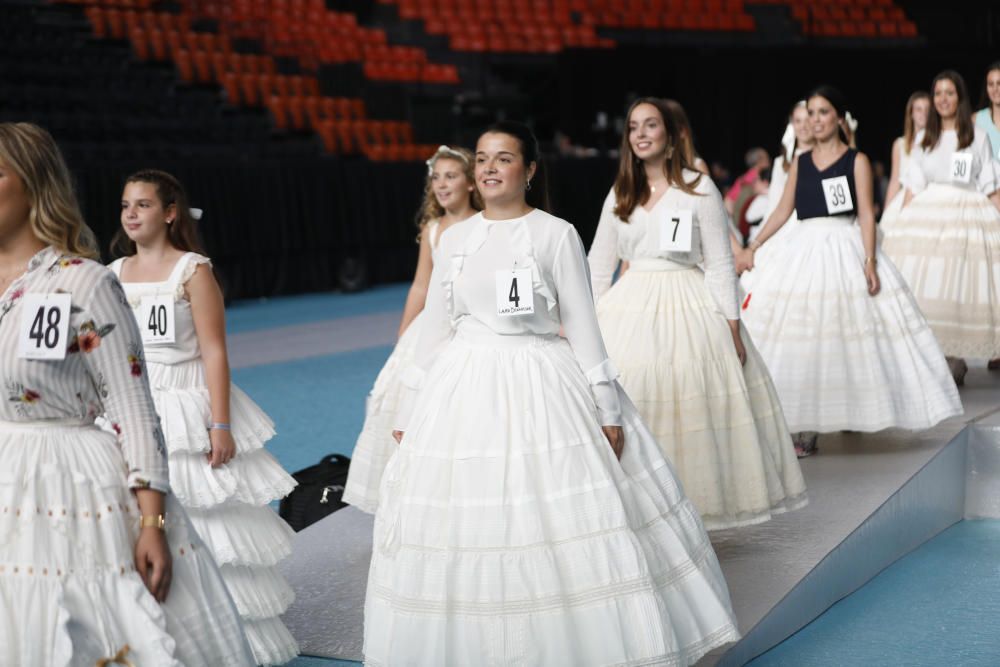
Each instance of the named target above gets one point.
<point>514,293</point>
<point>44,326</point>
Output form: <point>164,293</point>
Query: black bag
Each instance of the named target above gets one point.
<point>318,493</point>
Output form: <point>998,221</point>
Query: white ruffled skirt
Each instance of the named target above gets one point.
<point>946,244</point>
<point>718,423</point>
<point>508,533</point>
<point>375,445</point>
<point>840,358</point>
<point>228,505</point>
<point>69,590</point>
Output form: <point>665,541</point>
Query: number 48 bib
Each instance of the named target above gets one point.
<point>156,320</point>
<point>44,326</point>
<point>514,293</point>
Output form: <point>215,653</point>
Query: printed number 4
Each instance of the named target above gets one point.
<point>513,297</point>
<point>48,334</point>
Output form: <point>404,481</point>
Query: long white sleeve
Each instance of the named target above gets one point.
<point>988,179</point>
<point>717,254</point>
<point>603,255</point>
<point>579,322</point>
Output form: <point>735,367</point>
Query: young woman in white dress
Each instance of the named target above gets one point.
<point>673,330</point>
<point>841,334</point>
<point>215,433</point>
<point>99,564</point>
<point>450,196</point>
<point>796,139</point>
<point>914,121</point>
<point>528,516</point>
<point>946,240</point>
<point>988,117</point>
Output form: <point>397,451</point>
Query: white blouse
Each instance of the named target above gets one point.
<point>639,239</point>
<point>103,371</point>
<point>463,294</point>
<point>935,165</point>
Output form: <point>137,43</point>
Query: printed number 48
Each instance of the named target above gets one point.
<point>48,334</point>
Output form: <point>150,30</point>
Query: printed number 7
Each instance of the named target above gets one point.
<point>677,224</point>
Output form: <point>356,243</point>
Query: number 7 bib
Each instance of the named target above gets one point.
<point>44,326</point>
<point>514,293</point>
<point>675,230</point>
<point>156,320</point>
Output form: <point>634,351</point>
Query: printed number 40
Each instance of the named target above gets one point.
<point>158,320</point>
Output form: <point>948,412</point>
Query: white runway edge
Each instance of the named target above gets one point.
<point>849,480</point>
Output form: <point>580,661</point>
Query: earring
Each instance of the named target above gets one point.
<point>527,185</point>
<point>169,221</point>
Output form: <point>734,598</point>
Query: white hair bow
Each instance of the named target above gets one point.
<point>851,122</point>
<point>196,213</point>
<point>788,142</point>
<point>445,151</point>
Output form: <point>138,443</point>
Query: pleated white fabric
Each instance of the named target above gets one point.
<point>719,424</point>
<point>508,533</point>
<point>946,244</point>
<point>68,526</point>
<point>840,358</point>
<point>375,445</point>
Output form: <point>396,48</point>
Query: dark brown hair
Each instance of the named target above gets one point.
<point>909,130</point>
<point>963,116</point>
<point>537,196</point>
<point>984,98</point>
<point>631,187</point>
<point>839,104</point>
<point>182,232</point>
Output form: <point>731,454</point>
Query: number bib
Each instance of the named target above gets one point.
<point>838,195</point>
<point>44,326</point>
<point>675,230</point>
<point>961,168</point>
<point>156,320</point>
<point>515,295</point>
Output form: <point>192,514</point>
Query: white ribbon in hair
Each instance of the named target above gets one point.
<point>445,151</point>
<point>196,213</point>
<point>788,138</point>
<point>851,122</point>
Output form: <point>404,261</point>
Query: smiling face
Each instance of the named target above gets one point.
<point>647,133</point>
<point>450,185</point>
<point>823,118</point>
<point>15,205</point>
<point>946,98</point>
<point>501,174</point>
<point>800,124</point>
<point>144,217</point>
<point>921,107</point>
<point>993,86</point>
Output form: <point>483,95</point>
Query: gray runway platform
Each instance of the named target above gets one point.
<point>873,498</point>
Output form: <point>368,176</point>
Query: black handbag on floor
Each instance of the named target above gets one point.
<point>318,493</point>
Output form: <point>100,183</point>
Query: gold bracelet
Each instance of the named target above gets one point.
<point>152,521</point>
<point>869,260</point>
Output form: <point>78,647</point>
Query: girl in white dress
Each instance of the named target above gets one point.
<point>672,328</point>
<point>988,117</point>
<point>841,334</point>
<point>914,122</point>
<point>99,564</point>
<point>214,433</point>
<point>528,517</point>
<point>946,240</point>
<point>450,196</point>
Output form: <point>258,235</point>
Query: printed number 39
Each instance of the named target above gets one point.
<point>838,194</point>
<point>45,327</point>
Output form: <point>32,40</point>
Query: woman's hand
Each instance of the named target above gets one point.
<point>223,447</point>
<point>871,275</point>
<point>153,561</point>
<point>741,351</point>
<point>616,438</point>
<point>743,261</point>
<point>398,435</point>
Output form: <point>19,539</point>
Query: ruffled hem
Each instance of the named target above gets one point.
<point>243,535</point>
<point>271,642</point>
<point>259,592</point>
<point>182,402</point>
<point>254,479</point>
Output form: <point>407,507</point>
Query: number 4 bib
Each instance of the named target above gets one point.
<point>156,320</point>
<point>515,295</point>
<point>44,326</point>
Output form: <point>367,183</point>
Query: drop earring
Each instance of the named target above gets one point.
<point>527,186</point>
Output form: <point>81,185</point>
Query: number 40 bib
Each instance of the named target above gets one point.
<point>156,320</point>
<point>514,293</point>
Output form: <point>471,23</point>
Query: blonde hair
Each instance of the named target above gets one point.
<point>430,209</point>
<point>55,218</point>
<point>909,127</point>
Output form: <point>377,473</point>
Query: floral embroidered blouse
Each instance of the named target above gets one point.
<point>103,370</point>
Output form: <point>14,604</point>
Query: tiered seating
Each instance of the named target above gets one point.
<point>308,31</point>
<point>251,80</point>
<point>848,18</point>
<point>716,15</point>
<point>499,26</point>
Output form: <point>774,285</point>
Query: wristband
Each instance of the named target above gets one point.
<point>219,426</point>
<point>152,521</point>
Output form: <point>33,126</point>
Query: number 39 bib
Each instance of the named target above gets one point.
<point>44,326</point>
<point>514,293</point>
<point>838,195</point>
<point>156,320</point>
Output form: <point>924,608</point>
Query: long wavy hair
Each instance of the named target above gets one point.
<point>430,209</point>
<point>55,218</point>
<point>685,130</point>
<point>909,128</point>
<point>182,232</point>
<point>963,118</point>
<point>631,185</point>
